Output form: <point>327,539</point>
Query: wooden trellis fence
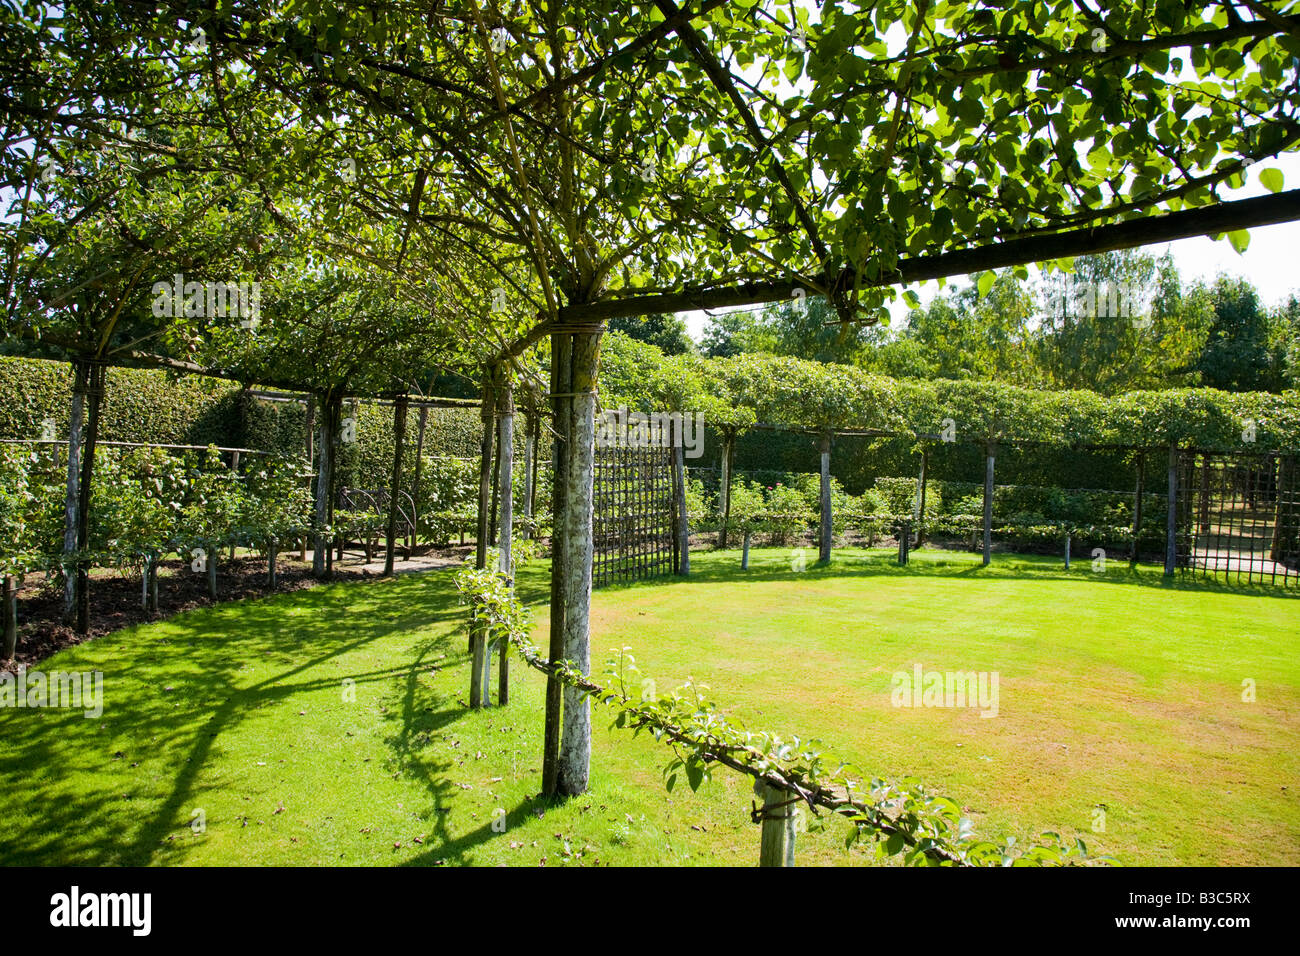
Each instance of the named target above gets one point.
<point>1239,516</point>
<point>633,515</point>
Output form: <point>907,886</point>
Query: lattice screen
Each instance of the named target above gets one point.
<point>633,515</point>
<point>1239,515</point>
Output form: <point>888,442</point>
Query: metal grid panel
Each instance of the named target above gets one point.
<point>633,515</point>
<point>1239,517</point>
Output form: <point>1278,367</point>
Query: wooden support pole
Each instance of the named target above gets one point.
<point>744,552</point>
<point>395,486</point>
<point>724,487</point>
<point>1067,550</point>
<point>272,552</point>
<point>1137,508</point>
<point>779,818</point>
<point>530,473</point>
<point>824,535</point>
<point>1171,520</point>
<point>988,503</point>
<point>919,518</point>
<point>683,519</point>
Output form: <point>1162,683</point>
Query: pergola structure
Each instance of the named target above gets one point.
<point>494,177</point>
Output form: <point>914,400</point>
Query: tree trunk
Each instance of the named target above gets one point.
<point>10,627</point>
<point>487,415</point>
<point>561,382</point>
<point>154,558</point>
<point>95,392</point>
<point>494,509</point>
<point>505,495</point>
<point>320,558</point>
<point>73,497</point>
<point>311,456</point>
<point>988,504</point>
<point>395,488</point>
<point>744,554</point>
<point>212,573</point>
<point>272,549</point>
<point>416,502</point>
<point>574,762</point>
<point>824,534</point>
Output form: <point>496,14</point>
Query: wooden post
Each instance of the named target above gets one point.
<point>505,495</point>
<point>779,816</point>
<point>272,549</point>
<point>561,383</point>
<point>1171,520</point>
<point>824,535</point>
<point>1137,508</point>
<point>212,573</point>
<point>487,415</point>
<point>395,486</point>
<point>724,486</point>
<point>683,519</point>
<point>920,496</point>
<point>320,556</point>
<point>1067,550</point>
<point>744,553</point>
<point>530,473</point>
<point>988,503</point>
<point>10,618</point>
<point>95,392</point>
<point>904,541</point>
<point>494,509</point>
<point>73,497</point>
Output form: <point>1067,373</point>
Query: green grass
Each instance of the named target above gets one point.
<point>1115,690</point>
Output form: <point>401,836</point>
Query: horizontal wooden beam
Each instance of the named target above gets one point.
<point>1202,221</point>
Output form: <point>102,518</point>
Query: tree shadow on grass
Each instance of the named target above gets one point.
<point>172,692</point>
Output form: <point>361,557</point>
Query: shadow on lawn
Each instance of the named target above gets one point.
<point>180,695</point>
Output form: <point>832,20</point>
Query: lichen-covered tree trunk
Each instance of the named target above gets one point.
<point>310,428</point>
<point>417,503</point>
<point>530,474</point>
<point>73,496</point>
<point>577,463</point>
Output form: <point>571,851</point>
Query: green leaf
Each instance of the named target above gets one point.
<point>1240,239</point>
<point>1272,179</point>
<point>985,283</point>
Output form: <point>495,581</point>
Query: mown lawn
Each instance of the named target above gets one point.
<point>1116,691</point>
